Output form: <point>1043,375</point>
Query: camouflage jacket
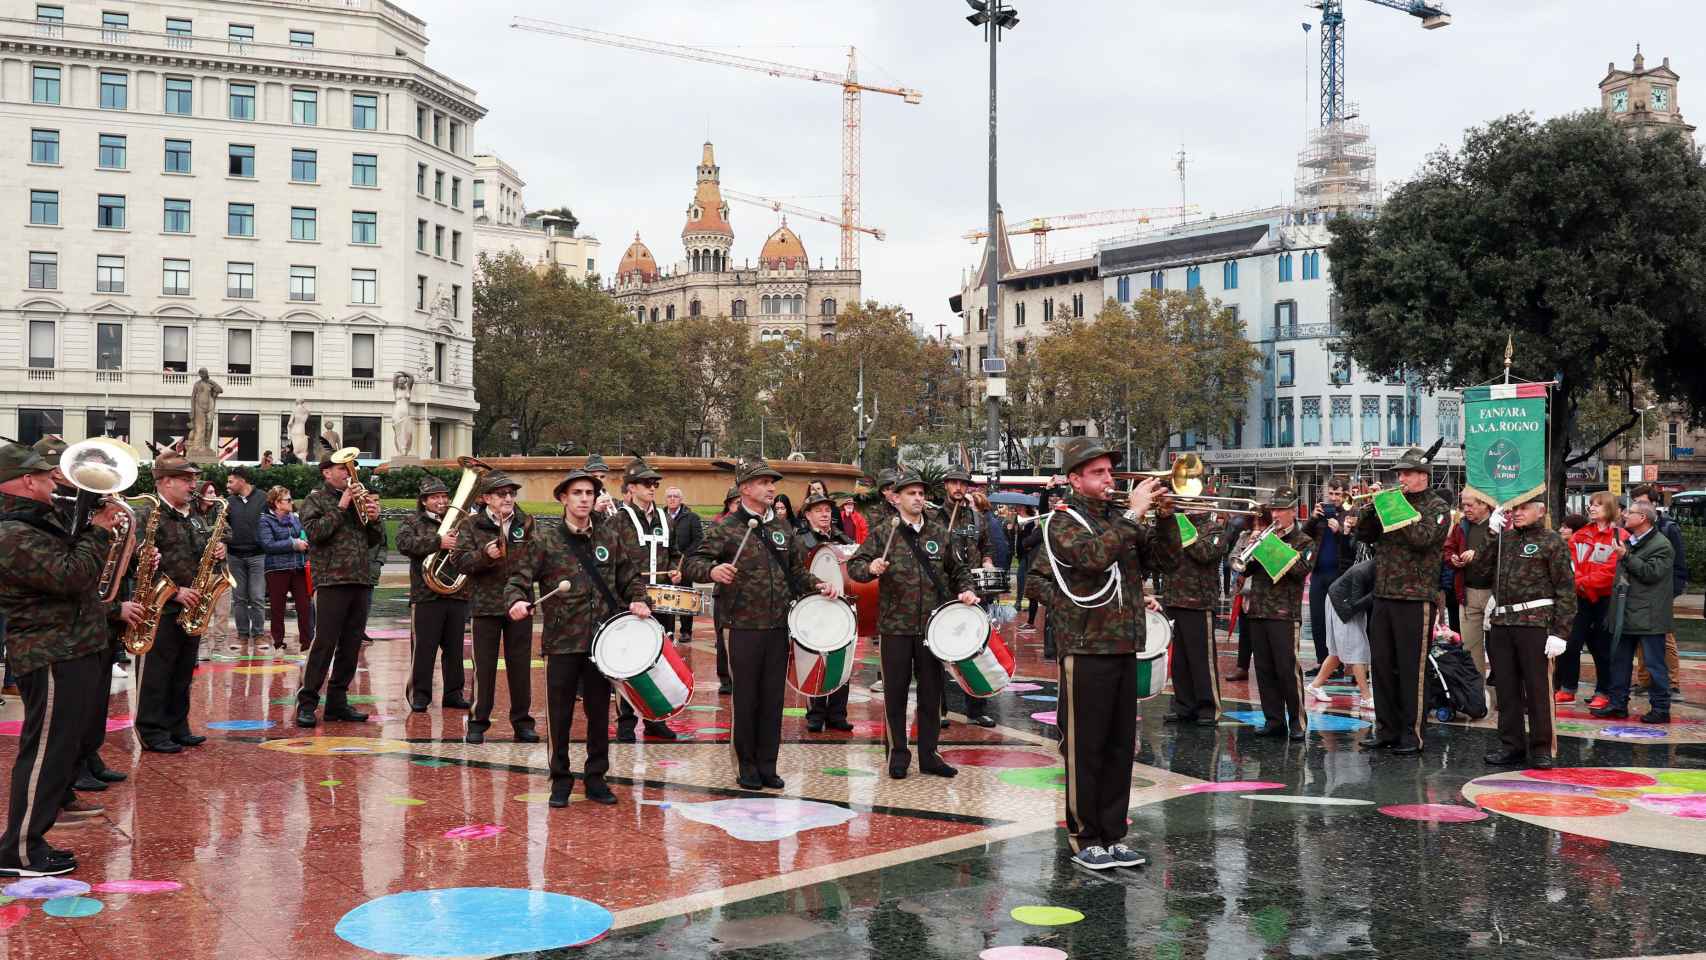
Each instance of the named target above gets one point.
<point>1269,599</point>
<point>47,587</point>
<point>907,594</point>
<point>1407,561</point>
<point>969,532</point>
<point>1086,556</point>
<point>573,616</point>
<point>1195,583</point>
<point>488,579</point>
<point>339,544</point>
<point>640,553</point>
<point>760,596</point>
<point>417,539</point>
<point>1536,567</point>
<point>181,541</point>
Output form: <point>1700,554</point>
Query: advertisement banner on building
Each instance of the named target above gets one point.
<point>1504,433</point>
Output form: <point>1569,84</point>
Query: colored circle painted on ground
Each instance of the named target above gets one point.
<point>852,772</point>
<point>1307,801</point>
<point>998,758</point>
<point>1591,777</point>
<point>474,831</point>
<point>138,886</point>
<point>459,921</point>
<point>1232,786</point>
<point>1692,779</point>
<point>1040,698</point>
<point>335,746</point>
<point>532,797</point>
<point>1022,687</point>
<point>1047,716</point>
<point>1636,733</point>
<point>793,711</point>
<point>240,724</point>
<point>1434,812</point>
<point>1022,952</point>
<point>72,907</point>
<point>45,888</point>
<point>1689,806</point>
<point>1548,805</point>
<point>1035,778</point>
<point>1046,916</point>
<point>12,914</point>
<point>404,801</point>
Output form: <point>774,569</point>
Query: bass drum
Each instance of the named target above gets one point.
<point>829,562</point>
<point>1152,659</point>
<point>646,671</point>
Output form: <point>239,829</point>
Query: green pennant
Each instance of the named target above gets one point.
<point>1187,530</point>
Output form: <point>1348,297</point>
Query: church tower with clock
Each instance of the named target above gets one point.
<point>1642,100</point>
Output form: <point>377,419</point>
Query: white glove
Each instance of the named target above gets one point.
<point>1554,646</point>
<point>1496,521</point>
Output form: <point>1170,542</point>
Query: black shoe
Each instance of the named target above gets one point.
<point>749,781</point>
<point>939,769</point>
<point>474,736</point>
<point>1611,713</point>
<point>189,739</point>
<point>529,735</point>
<point>1504,758</point>
<point>457,702</point>
<point>559,797</point>
<point>1373,742</point>
<point>1296,736</point>
<point>1407,750</point>
<point>986,721</point>
<point>598,792</point>
<point>814,726</point>
<point>772,781</point>
<point>305,717</point>
<point>164,746</point>
<point>345,714</point>
<point>1541,762</point>
<point>625,734</point>
<point>1208,721</point>
<point>88,784</point>
<point>658,730</point>
<point>110,775</point>
<point>419,706</point>
<point>1271,730</point>
<point>841,725</point>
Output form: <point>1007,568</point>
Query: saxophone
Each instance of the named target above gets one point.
<point>209,583</point>
<point>152,590</point>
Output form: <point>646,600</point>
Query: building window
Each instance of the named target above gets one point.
<point>109,274</point>
<point>177,156</point>
<point>1341,407</point>
<point>302,285</point>
<point>456,246</point>
<point>738,309</point>
<point>175,349</point>
<point>239,351</point>
<point>1122,289</point>
<point>364,170</point>
<point>1193,278</point>
<point>242,101</point>
<point>44,146</point>
<point>301,38</point>
<point>240,160</point>
<point>420,292</point>
<point>438,185</point>
<point>43,343</point>
<point>1285,268</point>
<point>1287,434</point>
<point>1395,421</point>
<point>1370,420</point>
<point>44,270</point>
<point>1312,421</point>
<point>109,211</point>
<point>240,281</point>
<point>364,227</point>
<point>456,300</point>
<point>304,165</point>
<point>111,155</point>
<point>44,207</point>
<point>177,216</point>
<point>1341,374</point>
<point>304,223</point>
<point>438,241</point>
<point>1285,368</point>
<point>180,96</point>
<point>44,86</point>
<point>240,219</point>
<point>420,179</point>
<point>1229,275</point>
<point>364,287</point>
<point>420,235</point>
<point>456,192</point>
<point>305,107</point>
<point>361,356</point>
<point>364,111</point>
<point>1451,421</point>
<point>175,278</point>
<point>301,353</point>
<point>115,90</point>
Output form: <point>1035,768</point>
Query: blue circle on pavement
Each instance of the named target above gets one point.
<point>241,724</point>
<point>1319,722</point>
<point>1041,697</point>
<point>463,921</point>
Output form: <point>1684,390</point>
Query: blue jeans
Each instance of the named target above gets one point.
<point>1623,667</point>
<point>249,596</point>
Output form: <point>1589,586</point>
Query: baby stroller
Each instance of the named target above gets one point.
<point>1454,684</point>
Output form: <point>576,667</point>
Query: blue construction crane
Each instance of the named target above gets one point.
<point>1432,15</point>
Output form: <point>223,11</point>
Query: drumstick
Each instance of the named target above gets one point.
<point>751,525</point>
<point>894,528</point>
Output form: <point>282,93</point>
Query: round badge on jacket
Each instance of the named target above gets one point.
<point>777,537</point>
<point>602,553</point>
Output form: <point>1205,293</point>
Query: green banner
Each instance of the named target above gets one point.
<point>1504,434</point>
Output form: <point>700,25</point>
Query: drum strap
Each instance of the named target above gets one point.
<point>583,553</point>
<point>911,537</point>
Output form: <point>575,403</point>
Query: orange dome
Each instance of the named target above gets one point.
<point>783,250</point>
<point>637,261</point>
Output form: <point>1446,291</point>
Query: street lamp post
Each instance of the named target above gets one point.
<point>993,16</point>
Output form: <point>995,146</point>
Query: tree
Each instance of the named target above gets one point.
<point>1586,246</point>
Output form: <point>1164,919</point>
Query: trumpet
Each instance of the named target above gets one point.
<point>360,495</point>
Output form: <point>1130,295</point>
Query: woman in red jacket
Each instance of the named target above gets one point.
<point>1593,551</point>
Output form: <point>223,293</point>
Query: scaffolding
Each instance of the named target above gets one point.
<point>1335,172</point>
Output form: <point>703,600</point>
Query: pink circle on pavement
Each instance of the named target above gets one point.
<point>1434,812</point>
<point>1047,716</point>
<point>1231,786</point>
<point>474,831</point>
<point>1001,759</point>
<point>1022,952</point>
<point>138,886</point>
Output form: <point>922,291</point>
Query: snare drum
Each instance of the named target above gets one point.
<point>647,672</point>
<point>962,637</point>
<point>1152,659</point>
<point>825,645</point>
<point>988,582</point>
<point>663,598</point>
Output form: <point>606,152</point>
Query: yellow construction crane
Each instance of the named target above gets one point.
<point>780,206</point>
<point>851,90</point>
<point>1040,227</point>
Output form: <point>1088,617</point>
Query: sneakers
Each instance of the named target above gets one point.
<point>1321,694</point>
<point>1125,856</point>
<point>1094,858</point>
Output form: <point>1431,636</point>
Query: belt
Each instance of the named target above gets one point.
<point>1520,607</point>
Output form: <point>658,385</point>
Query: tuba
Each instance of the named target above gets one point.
<point>100,468</point>
<point>152,589</point>
<point>438,570</point>
<point>212,581</point>
<point>346,457</point>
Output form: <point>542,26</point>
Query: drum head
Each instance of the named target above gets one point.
<point>626,646</point>
<point>825,564</point>
<point>822,625</point>
<point>957,631</point>
<point>1158,632</point>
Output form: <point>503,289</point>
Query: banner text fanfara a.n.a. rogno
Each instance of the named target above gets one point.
<point>1504,449</point>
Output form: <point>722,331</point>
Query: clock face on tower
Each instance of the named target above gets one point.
<point>1661,98</point>
<point>1620,101</point>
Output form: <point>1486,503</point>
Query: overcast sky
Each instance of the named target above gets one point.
<point>1097,97</point>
